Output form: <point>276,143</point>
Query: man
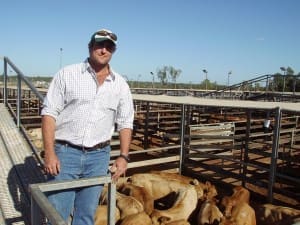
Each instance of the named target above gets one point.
<point>82,106</point>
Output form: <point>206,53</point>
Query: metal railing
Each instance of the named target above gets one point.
<point>20,77</point>
<point>184,107</point>
<point>41,207</point>
<point>17,115</point>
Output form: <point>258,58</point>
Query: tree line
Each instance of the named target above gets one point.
<point>286,80</point>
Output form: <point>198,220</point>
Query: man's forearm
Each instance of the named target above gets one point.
<point>125,140</point>
<point>48,130</point>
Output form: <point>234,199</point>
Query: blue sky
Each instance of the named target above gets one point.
<point>248,37</point>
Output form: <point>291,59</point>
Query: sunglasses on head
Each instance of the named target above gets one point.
<point>106,44</point>
<point>106,33</point>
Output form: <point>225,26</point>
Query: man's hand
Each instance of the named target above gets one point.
<point>51,164</point>
<point>118,168</point>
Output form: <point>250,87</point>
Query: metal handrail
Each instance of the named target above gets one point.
<point>20,77</point>
<point>41,207</point>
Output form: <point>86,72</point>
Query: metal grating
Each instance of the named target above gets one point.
<point>18,170</point>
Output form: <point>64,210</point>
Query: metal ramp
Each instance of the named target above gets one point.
<point>18,170</point>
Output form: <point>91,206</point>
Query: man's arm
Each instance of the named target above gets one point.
<point>125,140</point>
<point>120,165</point>
<point>51,162</point>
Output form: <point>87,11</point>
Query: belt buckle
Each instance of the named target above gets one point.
<point>102,144</point>
<point>87,149</point>
<point>97,146</point>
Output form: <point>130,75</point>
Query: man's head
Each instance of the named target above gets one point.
<point>101,48</point>
<point>104,35</point>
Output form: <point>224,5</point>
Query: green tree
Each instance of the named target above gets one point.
<point>174,74</point>
<point>277,82</point>
<point>289,79</point>
<point>162,75</point>
<point>289,71</point>
<point>168,72</point>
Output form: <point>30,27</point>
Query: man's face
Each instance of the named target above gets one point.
<point>101,52</point>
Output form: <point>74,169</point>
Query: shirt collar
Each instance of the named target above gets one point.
<point>87,67</point>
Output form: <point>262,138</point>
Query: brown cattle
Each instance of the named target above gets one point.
<point>103,197</point>
<point>156,185</point>
<point>128,205</point>
<point>205,190</point>
<point>177,222</point>
<point>209,189</point>
<point>101,215</point>
<point>139,193</point>
<point>209,213</point>
<point>104,194</point>
<point>240,194</point>
<point>137,219</point>
<point>269,214</point>
<point>242,214</point>
<point>183,207</point>
<point>175,176</point>
<point>159,186</point>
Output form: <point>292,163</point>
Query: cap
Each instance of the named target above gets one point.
<point>104,34</point>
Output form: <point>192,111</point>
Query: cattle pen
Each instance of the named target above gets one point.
<point>255,144</point>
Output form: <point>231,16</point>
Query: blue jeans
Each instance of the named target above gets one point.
<point>81,202</point>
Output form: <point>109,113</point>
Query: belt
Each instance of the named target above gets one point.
<point>83,148</point>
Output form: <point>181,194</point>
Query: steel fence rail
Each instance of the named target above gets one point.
<point>40,206</point>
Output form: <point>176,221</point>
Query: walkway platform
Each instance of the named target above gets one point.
<point>18,170</point>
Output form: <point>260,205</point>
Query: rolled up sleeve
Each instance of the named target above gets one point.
<point>125,112</point>
<point>54,101</point>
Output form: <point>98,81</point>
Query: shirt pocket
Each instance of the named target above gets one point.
<point>107,106</point>
<point>112,104</point>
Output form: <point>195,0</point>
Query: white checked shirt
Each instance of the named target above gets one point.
<point>85,112</point>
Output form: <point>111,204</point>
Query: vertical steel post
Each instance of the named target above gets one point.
<point>5,82</point>
<point>274,154</point>
<point>19,97</point>
<point>267,84</point>
<point>146,128</point>
<point>245,158</point>
<point>36,213</point>
<point>111,203</point>
<point>182,135</point>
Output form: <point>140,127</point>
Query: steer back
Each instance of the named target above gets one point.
<point>183,207</point>
<point>160,184</point>
<point>140,218</point>
<point>101,215</point>
<point>139,193</point>
<point>128,205</point>
<point>177,222</point>
<point>157,186</point>
<point>204,190</point>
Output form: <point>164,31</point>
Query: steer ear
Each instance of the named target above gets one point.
<point>194,182</point>
<point>207,183</point>
<point>164,219</point>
